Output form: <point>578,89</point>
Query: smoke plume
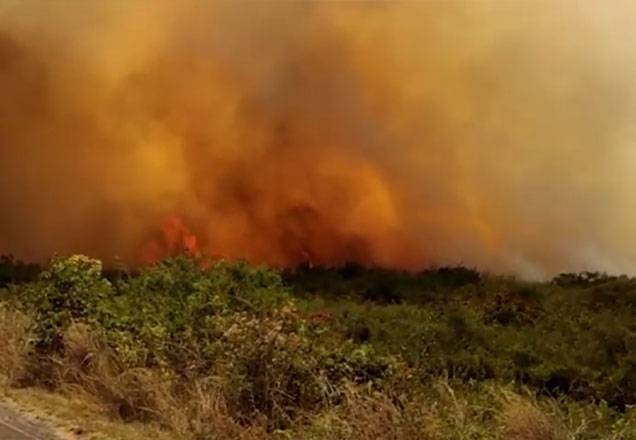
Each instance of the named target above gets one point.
<point>397,134</point>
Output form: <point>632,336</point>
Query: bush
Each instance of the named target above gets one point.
<point>174,313</point>
<point>14,271</point>
<point>250,347</point>
<point>189,321</point>
<point>279,367</point>
<point>68,289</point>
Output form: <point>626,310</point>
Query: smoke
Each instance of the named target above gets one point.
<point>399,134</point>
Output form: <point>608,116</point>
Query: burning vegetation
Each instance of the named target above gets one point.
<point>350,147</point>
<point>387,134</point>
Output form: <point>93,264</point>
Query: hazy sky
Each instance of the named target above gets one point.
<point>497,134</point>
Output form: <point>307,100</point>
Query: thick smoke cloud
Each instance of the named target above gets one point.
<point>496,134</point>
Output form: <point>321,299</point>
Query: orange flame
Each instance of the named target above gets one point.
<point>173,238</point>
<point>497,134</point>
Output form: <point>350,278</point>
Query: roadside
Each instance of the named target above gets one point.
<point>16,425</point>
<point>35,414</point>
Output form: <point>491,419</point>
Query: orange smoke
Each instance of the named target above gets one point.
<point>397,134</point>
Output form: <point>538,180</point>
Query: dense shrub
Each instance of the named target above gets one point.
<point>229,321</point>
<point>14,271</point>
<point>174,313</point>
<point>575,341</point>
<point>280,366</point>
<point>277,348</point>
<point>380,285</point>
<point>68,289</point>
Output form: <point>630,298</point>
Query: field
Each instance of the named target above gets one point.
<point>231,351</point>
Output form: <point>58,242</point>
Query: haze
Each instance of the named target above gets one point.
<point>399,134</point>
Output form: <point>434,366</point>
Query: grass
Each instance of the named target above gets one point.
<point>77,417</point>
<point>229,351</point>
<point>522,419</point>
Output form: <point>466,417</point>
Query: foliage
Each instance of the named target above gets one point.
<point>228,321</point>
<point>68,289</point>
<point>335,353</point>
<point>13,271</point>
<point>575,342</point>
<point>381,285</point>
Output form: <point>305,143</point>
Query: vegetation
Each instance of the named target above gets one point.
<point>231,351</point>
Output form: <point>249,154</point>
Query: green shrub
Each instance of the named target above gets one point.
<point>229,321</point>
<point>279,366</point>
<point>14,271</point>
<point>282,351</point>
<point>68,289</point>
<point>173,313</point>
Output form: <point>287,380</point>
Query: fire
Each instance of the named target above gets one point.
<point>173,238</point>
<point>394,134</point>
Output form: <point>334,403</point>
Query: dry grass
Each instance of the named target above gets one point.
<point>521,419</point>
<point>91,372</point>
<point>192,410</point>
<point>74,416</point>
<point>362,417</point>
<point>374,416</point>
<point>198,410</point>
<point>202,413</point>
<point>96,392</point>
<point>14,343</point>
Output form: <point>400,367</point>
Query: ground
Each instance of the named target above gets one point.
<point>15,425</point>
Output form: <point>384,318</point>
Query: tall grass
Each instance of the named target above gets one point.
<point>229,352</point>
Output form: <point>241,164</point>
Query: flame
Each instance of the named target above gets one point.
<point>174,238</point>
<point>397,134</point>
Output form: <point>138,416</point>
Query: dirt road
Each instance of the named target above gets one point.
<point>14,426</point>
